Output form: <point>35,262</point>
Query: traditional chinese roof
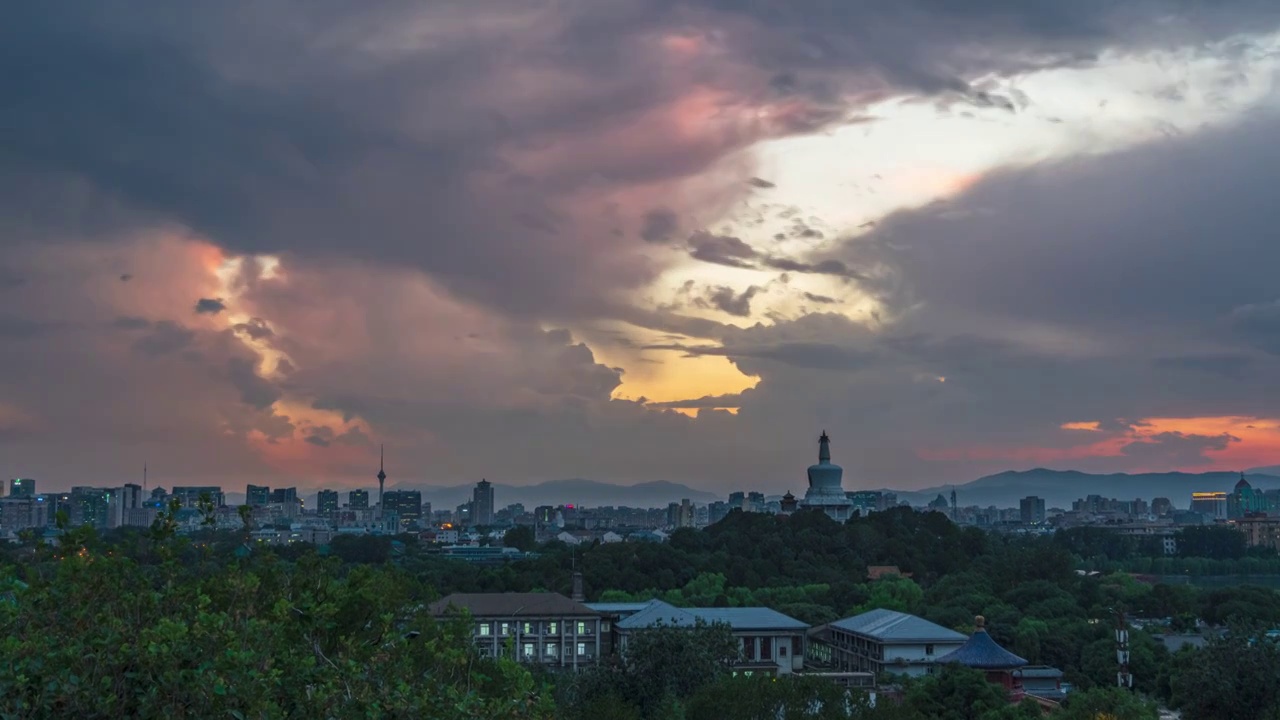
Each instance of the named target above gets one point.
<point>982,653</point>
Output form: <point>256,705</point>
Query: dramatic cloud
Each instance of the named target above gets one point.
<point>246,241</point>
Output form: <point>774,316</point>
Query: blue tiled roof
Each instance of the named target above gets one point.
<point>752,618</point>
<point>982,653</point>
<point>894,626</point>
<point>656,613</point>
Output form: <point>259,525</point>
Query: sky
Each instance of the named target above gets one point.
<point>637,240</point>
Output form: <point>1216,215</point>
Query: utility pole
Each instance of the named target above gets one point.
<point>1124,678</point>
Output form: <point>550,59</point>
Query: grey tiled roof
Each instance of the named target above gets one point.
<point>752,618</point>
<point>512,605</point>
<point>894,626</point>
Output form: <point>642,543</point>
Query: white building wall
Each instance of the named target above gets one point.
<point>914,659</point>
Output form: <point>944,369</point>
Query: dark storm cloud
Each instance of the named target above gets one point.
<point>210,306</point>
<point>13,328</point>
<point>164,338</point>
<point>294,127</point>
<point>255,329</point>
<point>726,300</point>
<point>1174,449</point>
<point>255,390</point>
<point>734,252</point>
<point>1171,239</point>
<point>721,250</point>
<point>1260,324</point>
<point>659,226</point>
<point>130,322</point>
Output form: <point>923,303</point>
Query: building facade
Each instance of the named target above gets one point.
<point>257,495</point>
<point>22,487</point>
<point>886,641</point>
<point>482,503</point>
<point>769,642</point>
<point>1212,505</point>
<point>546,629</point>
<point>1031,509</point>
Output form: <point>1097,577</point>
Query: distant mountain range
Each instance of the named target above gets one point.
<point>1060,487</point>
<point>554,492</point>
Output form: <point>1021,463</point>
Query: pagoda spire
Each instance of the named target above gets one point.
<point>824,448</point>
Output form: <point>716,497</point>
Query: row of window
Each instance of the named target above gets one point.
<point>529,651</point>
<point>485,629</point>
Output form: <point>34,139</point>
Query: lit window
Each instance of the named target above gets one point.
<point>506,628</point>
<point>528,650</point>
<point>552,650</point>
<point>582,648</point>
<point>484,629</point>
<point>528,628</point>
<point>551,628</point>
<point>582,628</point>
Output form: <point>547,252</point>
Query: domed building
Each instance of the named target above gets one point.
<point>826,491</point>
<point>1244,500</point>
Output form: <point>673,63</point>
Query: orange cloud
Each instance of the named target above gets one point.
<point>1252,442</point>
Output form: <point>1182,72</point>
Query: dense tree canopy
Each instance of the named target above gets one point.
<point>150,622</point>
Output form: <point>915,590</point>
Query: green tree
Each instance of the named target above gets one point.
<point>956,693</point>
<point>520,537</point>
<point>1231,677</point>
<point>1107,703</point>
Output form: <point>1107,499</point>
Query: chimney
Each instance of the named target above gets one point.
<point>578,595</point>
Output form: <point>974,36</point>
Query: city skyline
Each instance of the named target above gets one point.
<point>272,239</point>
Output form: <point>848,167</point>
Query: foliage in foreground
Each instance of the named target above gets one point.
<point>102,636</point>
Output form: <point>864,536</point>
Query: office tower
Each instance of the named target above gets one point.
<point>284,496</point>
<point>738,500</point>
<point>406,505</point>
<point>482,503</point>
<point>190,495</point>
<point>327,502</point>
<point>257,495</point>
<point>358,499</point>
<point>22,487</point>
<point>1031,510</point>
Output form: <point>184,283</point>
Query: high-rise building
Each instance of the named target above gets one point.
<point>327,502</point>
<point>738,500</point>
<point>716,512</point>
<point>358,499</point>
<point>257,495</point>
<point>482,500</point>
<point>1244,500</point>
<point>284,496</point>
<point>22,487</point>
<point>1161,506</point>
<point>1210,504</point>
<point>91,506</point>
<point>755,501</point>
<point>190,495</point>
<point>1032,510</point>
<point>20,512</point>
<point>406,504</point>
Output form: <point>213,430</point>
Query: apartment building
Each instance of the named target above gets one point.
<point>543,628</point>
<point>882,641</point>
